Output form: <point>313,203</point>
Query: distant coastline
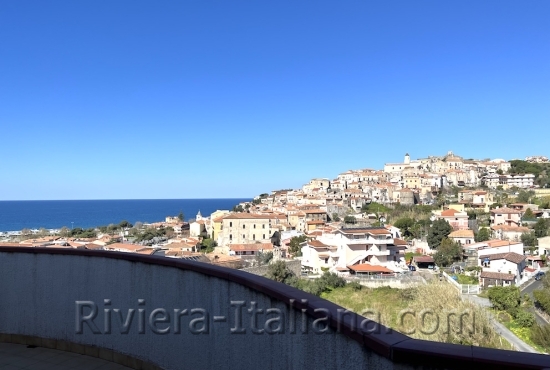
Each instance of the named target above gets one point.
<point>16,215</point>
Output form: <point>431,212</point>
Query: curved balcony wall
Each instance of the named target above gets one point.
<point>184,313</point>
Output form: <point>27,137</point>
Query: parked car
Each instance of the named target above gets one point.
<point>412,268</point>
<point>539,275</point>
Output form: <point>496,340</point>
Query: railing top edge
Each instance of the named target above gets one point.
<point>391,345</point>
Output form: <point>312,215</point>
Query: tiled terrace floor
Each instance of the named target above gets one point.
<point>18,356</point>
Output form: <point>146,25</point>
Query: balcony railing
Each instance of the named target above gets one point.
<point>192,315</point>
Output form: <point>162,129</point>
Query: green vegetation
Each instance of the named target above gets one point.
<point>439,230</point>
<point>280,272</point>
<point>263,258</point>
<point>258,200</point>
<point>150,233</point>
<point>207,245</point>
<point>335,217</point>
<point>482,235</point>
<point>387,305</point>
<point>529,239</point>
<point>397,308</point>
<point>540,170</point>
<point>467,279</point>
<point>350,220</point>
<point>541,227</point>
<point>294,245</point>
<point>375,208</point>
<point>448,252</point>
<point>78,232</point>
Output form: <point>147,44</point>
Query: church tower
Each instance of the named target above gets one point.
<point>199,216</point>
<point>407,159</point>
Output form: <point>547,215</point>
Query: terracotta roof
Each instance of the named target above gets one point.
<point>423,259</point>
<point>499,243</point>
<point>367,267</point>
<point>128,247</point>
<point>505,210</point>
<point>181,245</point>
<point>462,234</point>
<point>317,244</point>
<point>518,229</point>
<point>366,230</point>
<point>449,212</point>
<point>399,242</point>
<point>250,247</point>
<point>497,275</point>
<point>509,256</point>
<point>251,216</point>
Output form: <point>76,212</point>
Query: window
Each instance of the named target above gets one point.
<point>243,236</point>
<point>244,226</point>
<point>263,236</point>
<point>263,226</point>
<point>231,224</point>
<point>254,225</point>
<point>230,237</point>
<point>253,236</point>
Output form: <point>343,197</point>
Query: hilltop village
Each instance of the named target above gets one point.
<point>364,223</point>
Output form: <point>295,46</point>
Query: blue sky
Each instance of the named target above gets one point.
<point>198,99</point>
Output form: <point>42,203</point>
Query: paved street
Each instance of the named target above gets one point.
<point>518,344</point>
<point>529,289</point>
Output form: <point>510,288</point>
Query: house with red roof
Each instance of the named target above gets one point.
<point>457,219</point>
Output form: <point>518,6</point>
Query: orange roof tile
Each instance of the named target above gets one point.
<point>367,267</point>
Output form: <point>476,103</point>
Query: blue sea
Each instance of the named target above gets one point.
<point>54,214</point>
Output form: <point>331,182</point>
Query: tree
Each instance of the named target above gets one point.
<point>280,272</point>
<point>294,245</point>
<point>335,217</point>
<point>238,208</point>
<point>64,232</point>
<point>439,230</point>
<point>43,232</point>
<point>505,298</point>
<point>26,232</point>
<point>406,225</point>
<point>448,252</point>
<point>528,214</point>
<point>482,235</point>
<point>181,216</point>
<point>207,245</point>
<point>350,219</point>
<point>124,224</point>
<point>263,258</point>
<point>529,239</point>
<point>525,196</point>
<point>541,228</point>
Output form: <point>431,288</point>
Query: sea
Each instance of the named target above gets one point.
<point>54,214</point>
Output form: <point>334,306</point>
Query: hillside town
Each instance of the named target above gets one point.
<point>355,226</point>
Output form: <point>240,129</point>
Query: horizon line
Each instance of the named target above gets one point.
<point>56,200</point>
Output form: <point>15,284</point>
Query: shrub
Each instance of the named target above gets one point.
<point>540,335</point>
<point>524,319</point>
<point>505,298</point>
<point>542,298</point>
<point>355,285</point>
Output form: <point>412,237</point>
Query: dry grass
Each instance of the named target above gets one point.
<point>432,312</point>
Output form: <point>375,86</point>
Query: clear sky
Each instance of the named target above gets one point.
<point>197,99</point>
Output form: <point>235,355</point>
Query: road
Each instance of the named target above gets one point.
<point>503,331</point>
<point>529,289</point>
